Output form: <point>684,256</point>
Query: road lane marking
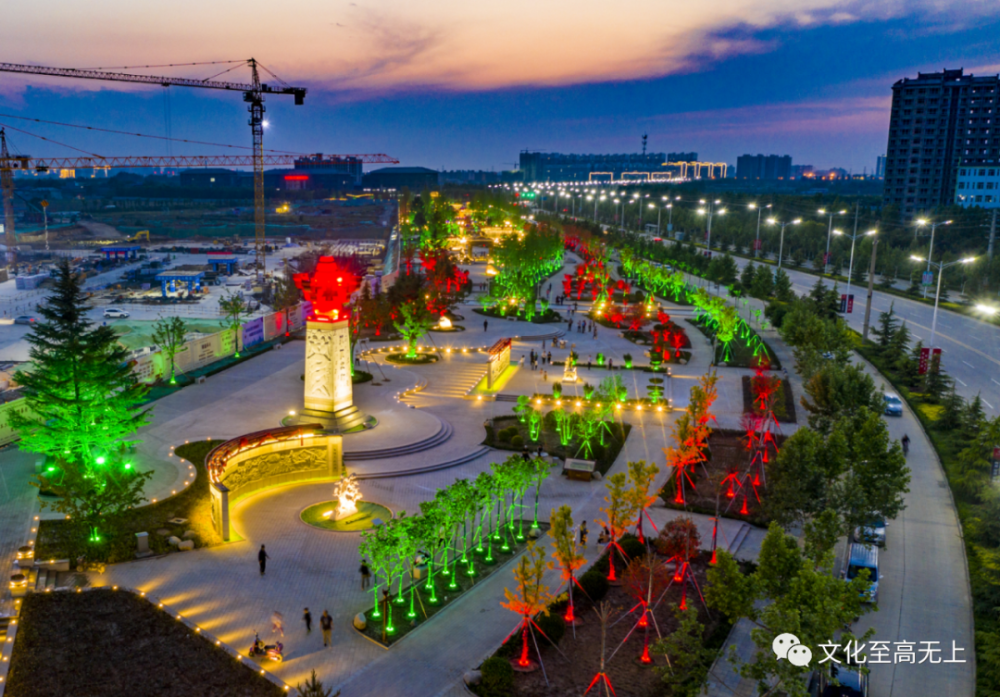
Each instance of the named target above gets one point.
<point>963,384</point>
<point>995,381</point>
<point>969,364</point>
<point>987,403</point>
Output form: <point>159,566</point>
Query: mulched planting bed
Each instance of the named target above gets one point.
<point>106,643</point>
<point>740,355</point>
<point>424,609</point>
<point>604,455</point>
<point>728,453</point>
<point>570,674</point>
<point>784,407</point>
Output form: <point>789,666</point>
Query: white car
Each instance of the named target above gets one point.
<point>115,313</point>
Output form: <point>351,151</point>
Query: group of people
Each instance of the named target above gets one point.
<point>602,539</point>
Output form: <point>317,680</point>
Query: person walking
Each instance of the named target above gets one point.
<point>486,324</point>
<point>262,557</point>
<point>366,575</point>
<point>583,533</point>
<point>611,364</point>
<point>326,625</point>
<point>548,358</point>
<point>278,623</point>
<point>308,619</point>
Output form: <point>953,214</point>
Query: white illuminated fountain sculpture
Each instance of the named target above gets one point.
<point>444,323</point>
<point>348,494</point>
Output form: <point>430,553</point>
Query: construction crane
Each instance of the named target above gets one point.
<point>253,95</point>
<point>24,163</point>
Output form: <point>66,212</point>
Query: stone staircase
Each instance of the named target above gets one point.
<point>477,452</point>
<point>451,381</point>
<point>443,433</point>
<point>738,539</point>
<point>46,580</point>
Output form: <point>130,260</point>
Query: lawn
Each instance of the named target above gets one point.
<point>106,643</point>
<point>58,539</point>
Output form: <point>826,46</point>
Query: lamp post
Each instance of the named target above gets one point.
<point>658,212</point>
<point>829,234</point>
<point>760,209</point>
<point>854,238</point>
<point>941,266</point>
<point>781,244</point>
<point>871,286</point>
<point>709,211</point>
<point>921,222</point>
<point>617,201</point>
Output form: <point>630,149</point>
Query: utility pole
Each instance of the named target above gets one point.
<point>993,235</point>
<point>871,285</point>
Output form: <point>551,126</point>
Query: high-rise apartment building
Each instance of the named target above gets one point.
<point>939,122</point>
<point>764,167</point>
<point>880,167</point>
<point>560,167</point>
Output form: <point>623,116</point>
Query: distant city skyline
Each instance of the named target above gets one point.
<point>451,86</point>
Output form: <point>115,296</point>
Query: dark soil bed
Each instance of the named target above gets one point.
<point>106,643</point>
<point>740,355</point>
<point>784,408</point>
<point>570,672</point>
<point>604,455</point>
<point>728,453</point>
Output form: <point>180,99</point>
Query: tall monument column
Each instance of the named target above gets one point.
<point>329,395</point>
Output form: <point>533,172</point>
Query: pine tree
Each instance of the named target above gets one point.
<point>973,418</point>
<point>894,353</point>
<point>885,330</point>
<point>936,381</point>
<point>82,399</point>
<point>314,688</point>
<point>783,287</point>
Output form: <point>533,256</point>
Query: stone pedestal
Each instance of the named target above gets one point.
<point>329,394</point>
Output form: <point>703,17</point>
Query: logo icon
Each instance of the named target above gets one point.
<point>789,647</point>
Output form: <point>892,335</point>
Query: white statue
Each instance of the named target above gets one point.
<point>348,494</point>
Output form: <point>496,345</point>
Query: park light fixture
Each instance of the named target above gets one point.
<point>988,310</point>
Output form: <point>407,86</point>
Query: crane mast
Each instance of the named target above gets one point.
<point>7,183</point>
<point>253,95</point>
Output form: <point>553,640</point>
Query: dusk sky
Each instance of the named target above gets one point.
<point>457,84</point>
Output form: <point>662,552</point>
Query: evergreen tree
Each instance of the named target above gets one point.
<point>885,330</point>
<point>763,282</point>
<point>952,410</point>
<point>895,354</point>
<point>728,271</point>
<point>936,382</point>
<point>82,399</point>
<point>746,278</point>
<point>783,287</point>
<point>914,378</point>
<point>973,418</point>
<point>83,404</point>
<point>314,688</point>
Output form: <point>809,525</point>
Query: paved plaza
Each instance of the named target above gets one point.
<point>924,594</point>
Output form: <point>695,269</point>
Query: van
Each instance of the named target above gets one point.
<point>864,556</point>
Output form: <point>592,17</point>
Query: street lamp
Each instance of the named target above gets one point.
<point>781,244</point>
<point>921,222</point>
<point>709,211</point>
<point>941,266</point>
<point>829,234</point>
<point>987,310</point>
<point>854,238</point>
<point>760,209</point>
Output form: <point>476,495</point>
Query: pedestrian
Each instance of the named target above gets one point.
<point>486,324</point>
<point>588,361</point>
<point>525,455</point>
<point>583,533</point>
<point>543,344</point>
<point>326,624</point>
<point>611,364</point>
<point>262,557</point>
<point>308,619</point>
<point>366,575</point>
<point>522,360</point>
<point>549,358</point>
<point>545,376</point>
<point>278,623</point>
<point>539,451</point>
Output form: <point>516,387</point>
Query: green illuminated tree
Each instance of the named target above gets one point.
<point>169,335</point>
<point>415,321</point>
<point>234,308</point>
<point>83,404</point>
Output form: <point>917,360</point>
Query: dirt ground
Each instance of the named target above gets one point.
<point>570,672</point>
<point>729,454</point>
<point>106,643</point>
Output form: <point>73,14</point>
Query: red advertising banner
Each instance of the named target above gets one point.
<point>850,303</point>
<point>922,364</point>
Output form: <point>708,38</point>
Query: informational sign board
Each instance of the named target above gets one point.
<point>925,355</point>
<point>253,332</point>
<point>498,361</point>
<point>927,278</point>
